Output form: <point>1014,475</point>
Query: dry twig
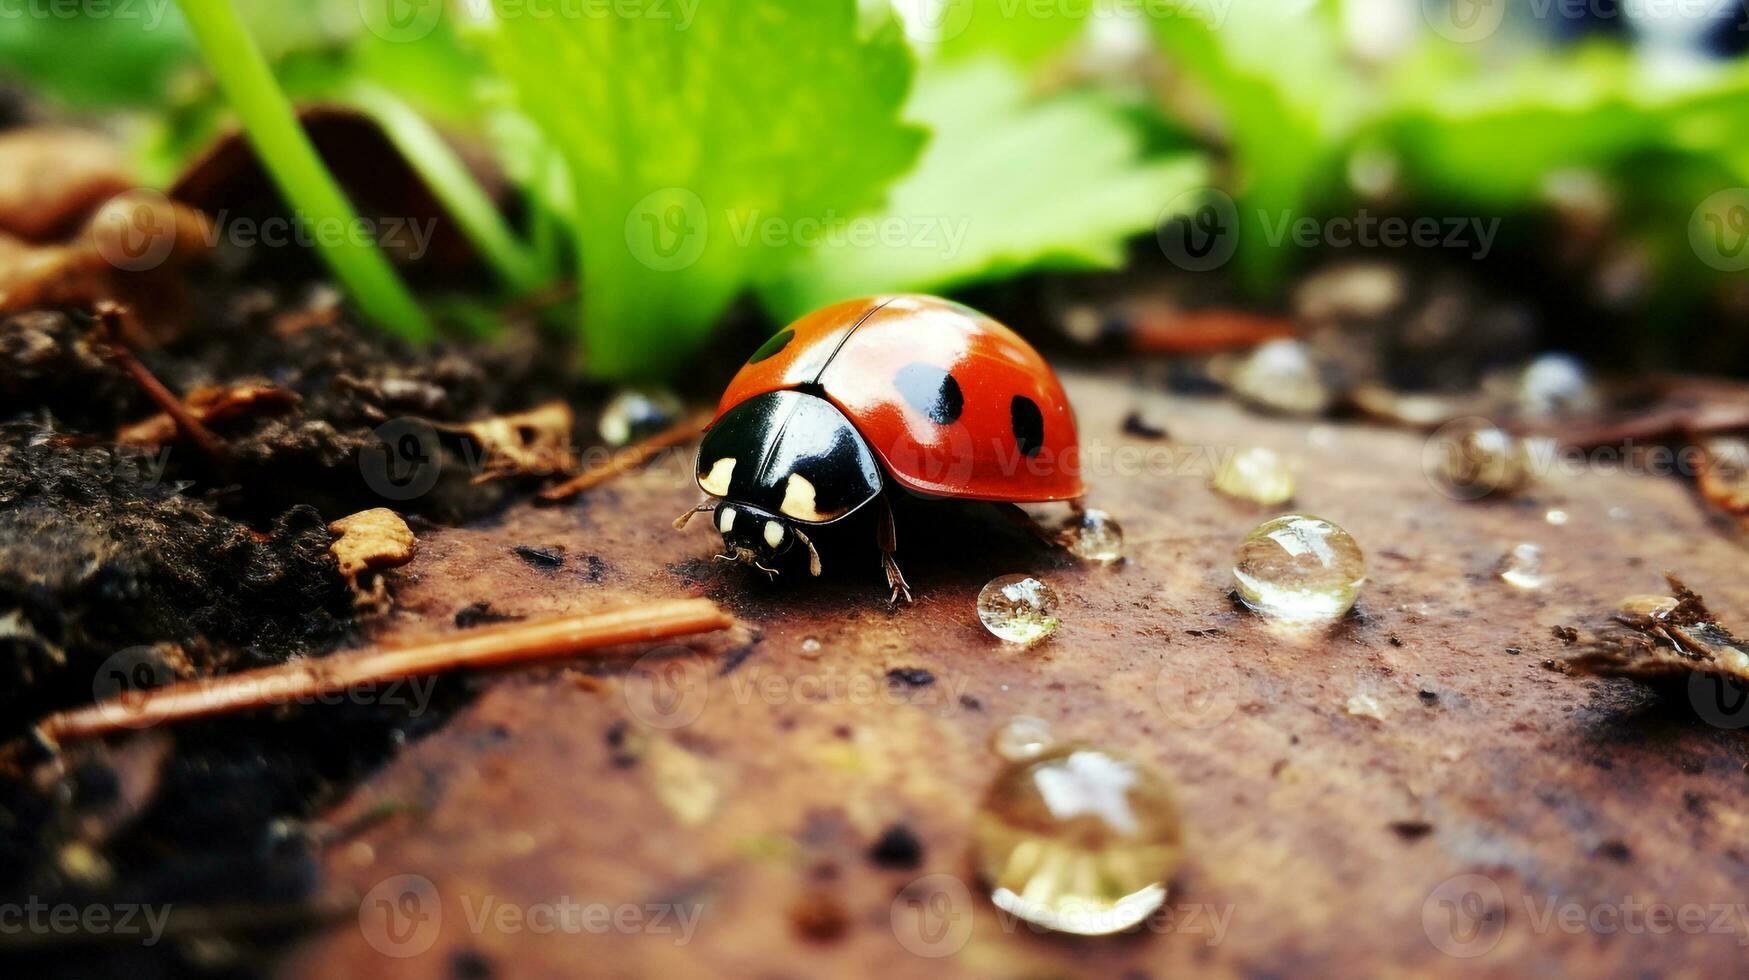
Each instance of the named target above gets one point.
<point>303,679</point>
<point>630,458</point>
<point>110,320</point>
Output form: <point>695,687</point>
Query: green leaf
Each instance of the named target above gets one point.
<point>87,62</point>
<point>1477,134</point>
<point>697,150</point>
<point>1276,75</point>
<point>1006,186</point>
<point>1024,32</point>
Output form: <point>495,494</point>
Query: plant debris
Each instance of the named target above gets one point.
<point>52,179</point>
<point>630,458</point>
<point>532,443</point>
<point>1663,637</point>
<point>210,406</point>
<point>367,542</point>
<point>492,647</point>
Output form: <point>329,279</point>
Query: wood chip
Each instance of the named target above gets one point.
<point>371,540</point>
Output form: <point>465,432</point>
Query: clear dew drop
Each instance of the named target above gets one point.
<point>636,413</point>
<point>1484,460</point>
<point>1281,376</point>
<point>1299,569</point>
<point>1018,609</point>
<point>1080,840</point>
<point>1023,737</point>
<point>1555,385</point>
<point>1094,536</point>
<point>810,648</point>
<point>1556,517</point>
<point>1258,475</point>
<point>1523,567</point>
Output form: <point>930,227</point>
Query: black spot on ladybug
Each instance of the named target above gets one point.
<point>932,391</point>
<point>778,342</point>
<point>1029,425</point>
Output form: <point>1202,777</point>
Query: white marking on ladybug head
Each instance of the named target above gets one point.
<point>773,533</point>
<point>798,500</point>
<point>726,519</point>
<point>716,482</point>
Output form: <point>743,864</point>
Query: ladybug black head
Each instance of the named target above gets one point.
<point>759,538</point>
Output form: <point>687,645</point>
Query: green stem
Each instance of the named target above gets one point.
<point>273,130</point>
<point>455,187</point>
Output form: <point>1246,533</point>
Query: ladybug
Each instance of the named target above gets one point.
<point>862,399</point>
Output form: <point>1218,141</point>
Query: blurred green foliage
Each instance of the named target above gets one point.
<point>677,169</point>
<point>684,144</point>
<point>982,204</point>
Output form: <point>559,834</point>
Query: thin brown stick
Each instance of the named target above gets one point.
<point>630,458</point>
<point>303,679</point>
<point>109,318</point>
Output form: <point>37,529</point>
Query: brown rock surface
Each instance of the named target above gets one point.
<point>747,783</point>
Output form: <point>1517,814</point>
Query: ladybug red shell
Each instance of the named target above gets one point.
<point>854,400</point>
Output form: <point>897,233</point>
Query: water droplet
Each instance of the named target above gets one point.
<point>810,648</point>
<point>1018,608</point>
<point>1257,475</point>
<point>1023,737</point>
<point>1553,385</point>
<point>635,414</point>
<point>1094,536</point>
<point>1299,569</point>
<point>1619,513</point>
<point>1523,567</point>
<point>1282,377</point>
<point>1079,840</point>
<point>1556,517</point>
<point>1482,459</point>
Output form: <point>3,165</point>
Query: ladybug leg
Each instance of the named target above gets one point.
<point>888,539</point>
<point>680,522</point>
<point>813,555</point>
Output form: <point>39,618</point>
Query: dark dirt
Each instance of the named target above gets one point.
<point>131,567</point>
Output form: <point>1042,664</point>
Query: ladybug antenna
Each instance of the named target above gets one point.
<point>686,518</point>
<point>813,556</point>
